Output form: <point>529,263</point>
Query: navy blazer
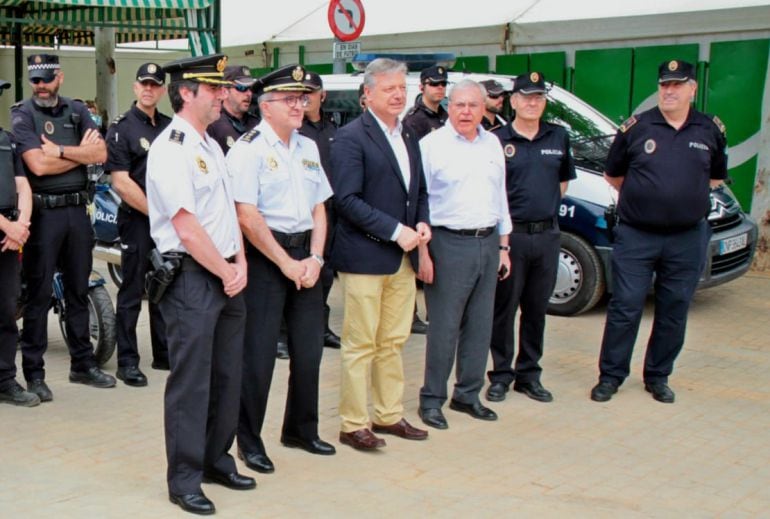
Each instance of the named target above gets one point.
<point>371,199</point>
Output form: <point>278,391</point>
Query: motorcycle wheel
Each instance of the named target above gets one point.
<point>116,274</point>
<point>101,324</point>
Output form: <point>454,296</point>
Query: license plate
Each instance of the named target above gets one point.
<point>733,244</point>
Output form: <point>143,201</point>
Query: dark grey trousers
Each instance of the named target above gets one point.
<point>461,301</point>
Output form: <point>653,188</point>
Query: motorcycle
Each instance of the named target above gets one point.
<point>104,217</point>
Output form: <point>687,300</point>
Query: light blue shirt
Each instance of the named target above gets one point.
<point>465,180</point>
<point>284,183</point>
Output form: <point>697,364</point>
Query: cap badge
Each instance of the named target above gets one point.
<point>230,141</point>
<point>152,68</point>
<point>673,65</point>
<point>509,150</point>
<point>297,74</point>
<point>440,70</point>
<point>649,146</point>
<point>145,144</point>
<point>245,71</point>
<point>38,60</point>
<point>202,164</point>
<point>48,127</point>
<point>221,64</point>
<point>534,77</point>
<point>272,163</point>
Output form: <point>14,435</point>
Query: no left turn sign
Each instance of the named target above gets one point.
<point>346,19</point>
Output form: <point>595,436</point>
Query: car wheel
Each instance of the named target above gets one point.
<point>579,279</point>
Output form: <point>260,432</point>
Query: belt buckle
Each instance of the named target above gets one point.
<point>535,227</point>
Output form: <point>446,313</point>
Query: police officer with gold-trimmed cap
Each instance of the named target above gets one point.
<point>128,141</point>
<point>194,225</point>
<point>428,114</point>
<point>280,190</point>
<point>57,139</point>
<point>538,165</point>
<point>663,163</point>
<point>493,108</point>
<point>15,211</point>
<point>236,118</point>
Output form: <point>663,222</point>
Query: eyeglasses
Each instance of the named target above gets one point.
<point>38,80</point>
<point>240,88</point>
<point>291,101</point>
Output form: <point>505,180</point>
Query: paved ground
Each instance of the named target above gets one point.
<point>99,453</point>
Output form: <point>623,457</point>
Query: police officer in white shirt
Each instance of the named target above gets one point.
<point>193,219</point>
<point>280,189</point>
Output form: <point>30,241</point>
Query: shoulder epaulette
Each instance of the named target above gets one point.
<point>118,118</point>
<point>412,111</point>
<point>250,135</point>
<point>176,136</point>
<point>17,105</point>
<point>628,123</point>
<point>720,125</point>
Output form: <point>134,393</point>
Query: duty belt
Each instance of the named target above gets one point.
<point>187,263</point>
<point>532,227</point>
<point>295,240</point>
<point>10,213</point>
<point>482,232</point>
<point>67,199</point>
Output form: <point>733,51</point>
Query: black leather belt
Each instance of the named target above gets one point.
<point>64,200</point>
<point>295,240</point>
<point>532,227</point>
<point>482,232</point>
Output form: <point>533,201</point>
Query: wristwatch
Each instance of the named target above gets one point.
<point>318,258</point>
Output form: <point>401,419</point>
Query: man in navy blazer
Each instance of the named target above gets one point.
<point>381,220</point>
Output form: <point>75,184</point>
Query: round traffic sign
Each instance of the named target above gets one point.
<point>346,18</point>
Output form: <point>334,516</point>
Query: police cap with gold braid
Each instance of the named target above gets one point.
<point>201,69</point>
<point>291,78</point>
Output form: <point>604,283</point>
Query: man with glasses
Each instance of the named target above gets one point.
<point>280,188</point>
<point>493,107</point>
<point>236,118</point>
<point>56,139</point>
<point>128,141</point>
<point>539,165</point>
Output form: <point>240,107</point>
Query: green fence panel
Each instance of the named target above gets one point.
<point>644,85</point>
<point>478,64</point>
<point>736,83</point>
<point>603,79</point>
<point>551,64</point>
<point>512,64</point>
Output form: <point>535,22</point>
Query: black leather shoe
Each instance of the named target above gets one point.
<point>193,503</point>
<point>256,461</point>
<point>282,351</point>
<point>476,410</point>
<point>132,376</point>
<point>603,391</point>
<point>93,377</point>
<point>160,365</point>
<point>232,480</point>
<point>418,326</point>
<point>16,395</point>
<point>533,390</point>
<point>433,417</point>
<point>317,446</point>
<point>41,389</point>
<point>496,391</point>
<point>332,340</point>
<point>660,392</point>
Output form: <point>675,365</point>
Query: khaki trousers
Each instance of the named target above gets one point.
<point>377,323</point>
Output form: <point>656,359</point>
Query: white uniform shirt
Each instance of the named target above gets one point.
<point>465,180</point>
<point>284,183</point>
<point>187,171</point>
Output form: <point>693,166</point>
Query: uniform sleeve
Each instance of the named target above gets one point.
<point>169,183</point>
<point>504,226</point>
<point>719,160</point>
<point>567,171</point>
<point>118,150</point>
<point>244,164</point>
<point>18,166</point>
<point>23,129</point>
<point>617,158</point>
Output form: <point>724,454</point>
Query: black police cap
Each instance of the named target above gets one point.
<point>239,75</point>
<point>151,72</point>
<point>42,66</point>
<point>675,70</point>
<point>493,88</point>
<point>530,83</point>
<point>314,80</point>
<point>435,74</point>
<point>201,69</point>
<point>291,78</point>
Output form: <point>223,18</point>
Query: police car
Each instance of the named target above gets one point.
<point>584,274</point>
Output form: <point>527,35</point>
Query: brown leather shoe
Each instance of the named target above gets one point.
<point>403,429</point>
<point>362,439</point>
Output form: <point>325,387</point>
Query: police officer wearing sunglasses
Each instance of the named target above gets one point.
<point>236,118</point>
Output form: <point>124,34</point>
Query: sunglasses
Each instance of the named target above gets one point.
<point>38,80</point>
<point>495,96</point>
<point>439,84</point>
<point>240,88</point>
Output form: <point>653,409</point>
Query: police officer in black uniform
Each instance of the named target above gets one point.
<point>321,128</point>
<point>15,210</point>
<point>662,162</point>
<point>128,141</point>
<point>236,118</point>
<point>493,109</point>
<point>538,165</point>
<point>428,114</point>
<point>56,139</point>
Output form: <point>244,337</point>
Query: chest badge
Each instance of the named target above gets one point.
<point>509,150</point>
<point>145,144</point>
<point>272,164</point>
<point>48,127</point>
<point>202,164</point>
<point>649,146</point>
<point>230,141</point>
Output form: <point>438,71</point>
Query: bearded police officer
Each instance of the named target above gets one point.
<point>236,118</point>
<point>128,141</point>
<point>15,209</point>
<point>662,162</point>
<point>538,165</point>
<point>193,222</point>
<point>428,114</point>
<point>56,139</point>
<point>493,106</point>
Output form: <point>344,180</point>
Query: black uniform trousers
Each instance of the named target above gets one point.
<point>204,329</point>
<point>271,296</point>
<point>534,262</point>
<point>677,260</point>
<point>136,243</point>
<point>60,237</point>
<point>327,273</point>
<point>9,298</point>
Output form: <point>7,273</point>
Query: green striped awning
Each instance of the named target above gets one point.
<point>71,22</point>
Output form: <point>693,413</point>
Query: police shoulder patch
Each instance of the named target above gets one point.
<point>176,136</point>
<point>118,118</point>
<point>628,123</point>
<point>250,135</point>
<point>719,124</point>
